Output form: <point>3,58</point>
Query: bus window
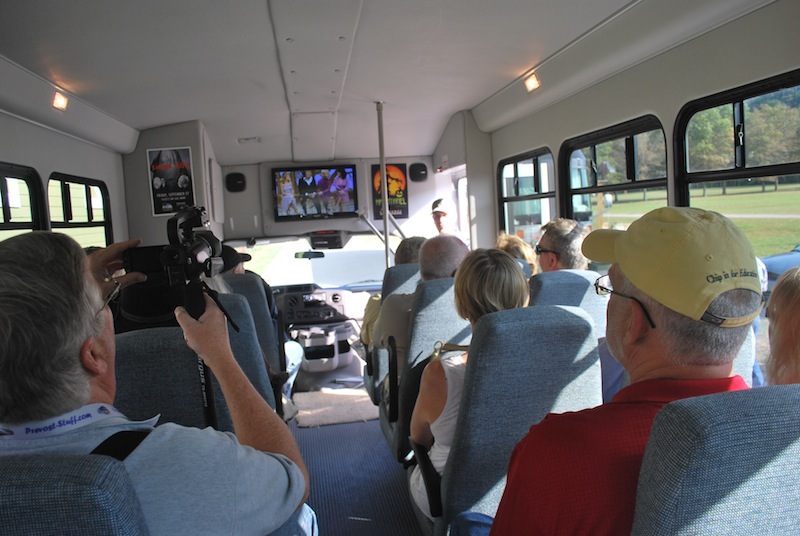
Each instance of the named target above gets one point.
<point>20,201</point>
<point>527,194</point>
<point>740,156</point>
<point>616,174</point>
<point>79,207</point>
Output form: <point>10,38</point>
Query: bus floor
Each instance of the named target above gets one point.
<point>357,487</point>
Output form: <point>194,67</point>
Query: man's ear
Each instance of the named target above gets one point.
<point>550,263</point>
<point>92,357</point>
<point>638,326</point>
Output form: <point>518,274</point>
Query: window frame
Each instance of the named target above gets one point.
<point>735,97</point>
<point>87,183</point>
<point>537,185</point>
<point>627,131</point>
<point>39,218</point>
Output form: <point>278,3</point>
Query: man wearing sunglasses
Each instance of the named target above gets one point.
<point>684,289</point>
<point>559,248</point>
<point>565,279</point>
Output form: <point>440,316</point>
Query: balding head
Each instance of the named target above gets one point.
<point>440,256</point>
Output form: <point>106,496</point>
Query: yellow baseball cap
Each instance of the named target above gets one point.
<point>683,258</point>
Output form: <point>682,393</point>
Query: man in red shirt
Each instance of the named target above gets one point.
<point>684,289</point>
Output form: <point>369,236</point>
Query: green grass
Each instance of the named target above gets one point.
<point>768,235</point>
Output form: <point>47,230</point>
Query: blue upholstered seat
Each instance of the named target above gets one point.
<point>157,373</point>
<point>252,287</point>
<point>433,318</point>
<point>255,289</point>
<point>723,464</point>
<point>523,364</point>
<point>398,279</point>
<point>745,359</point>
<point>576,288</point>
<point>64,495</point>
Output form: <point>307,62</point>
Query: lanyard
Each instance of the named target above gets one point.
<point>84,416</point>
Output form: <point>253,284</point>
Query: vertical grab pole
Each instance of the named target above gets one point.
<point>384,188</point>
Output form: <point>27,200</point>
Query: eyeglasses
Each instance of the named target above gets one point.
<point>539,250</point>
<point>111,295</point>
<point>603,287</point>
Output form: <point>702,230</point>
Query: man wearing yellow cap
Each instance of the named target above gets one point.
<point>684,289</point>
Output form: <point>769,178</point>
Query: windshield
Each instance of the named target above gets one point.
<point>360,263</point>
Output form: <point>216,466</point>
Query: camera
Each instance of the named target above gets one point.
<point>193,251</point>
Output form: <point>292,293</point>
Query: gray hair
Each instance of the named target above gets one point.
<point>440,256</point>
<point>408,250</point>
<point>47,311</point>
<point>565,237</point>
<point>690,342</point>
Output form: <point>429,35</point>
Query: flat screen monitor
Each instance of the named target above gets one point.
<point>315,192</point>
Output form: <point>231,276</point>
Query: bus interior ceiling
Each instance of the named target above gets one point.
<point>287,81</point>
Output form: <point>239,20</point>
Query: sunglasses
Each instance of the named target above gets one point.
<point>539,250</point>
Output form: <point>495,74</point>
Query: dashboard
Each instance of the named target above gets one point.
<point>310,304</point>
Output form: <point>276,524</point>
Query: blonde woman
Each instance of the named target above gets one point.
<point>519,249</point>
<point>783,312</point>
<point>487,280</point>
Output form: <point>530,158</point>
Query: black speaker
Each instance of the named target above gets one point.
<point>235,182</point>
<point>418,172</point>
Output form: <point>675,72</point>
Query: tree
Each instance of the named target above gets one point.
<point>710,139</point>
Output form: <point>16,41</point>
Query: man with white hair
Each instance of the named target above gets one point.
<point>684,290</point>
<point>439,257</point>
<point>57,388</point>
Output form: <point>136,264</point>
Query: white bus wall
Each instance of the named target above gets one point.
<point>243,210</point>
<point>47,151</point>
<point>206,180</point>
<point>761,44</point>
<point>465,150</point>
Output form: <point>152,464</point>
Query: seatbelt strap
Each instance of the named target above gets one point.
<point>121,444</point>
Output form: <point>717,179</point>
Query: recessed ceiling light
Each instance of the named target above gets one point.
<point>531,82</point>
<point>60,101</point>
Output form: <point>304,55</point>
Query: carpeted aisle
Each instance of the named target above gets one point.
<point>357,488</point>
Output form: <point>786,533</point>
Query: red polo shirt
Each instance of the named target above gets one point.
<point>576,473</point>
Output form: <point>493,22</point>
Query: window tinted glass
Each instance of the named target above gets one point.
<point>709,140</point>
<point>772,128</point>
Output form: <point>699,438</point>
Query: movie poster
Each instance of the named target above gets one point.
<point>398,194</point>
<point>171,180</point>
